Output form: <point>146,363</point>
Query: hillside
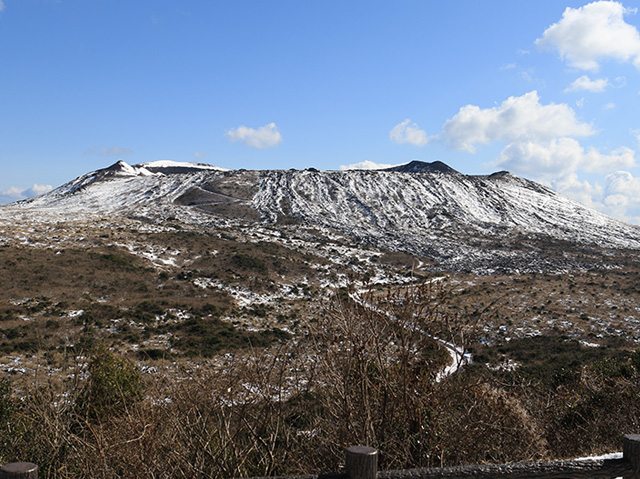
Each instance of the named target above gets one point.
<point>486,224</point>
<point>245,318</point>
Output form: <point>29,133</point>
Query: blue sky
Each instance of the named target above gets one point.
<point>548,90</point>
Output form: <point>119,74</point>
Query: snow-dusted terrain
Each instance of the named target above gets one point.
<point>463,222</point>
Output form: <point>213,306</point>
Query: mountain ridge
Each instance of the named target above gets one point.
<point>429,209</point>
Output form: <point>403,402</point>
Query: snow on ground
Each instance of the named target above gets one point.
<point>449,217</point>
<point>459,357</point>
<point>612,455</point>
<point>244,297</point>
<point>160,256</point>
<point>178,164</point>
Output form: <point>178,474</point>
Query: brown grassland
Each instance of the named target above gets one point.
<point>218,356</point>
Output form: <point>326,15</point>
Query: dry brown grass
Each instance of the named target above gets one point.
<point>294,408</point>
<point>353,374</point>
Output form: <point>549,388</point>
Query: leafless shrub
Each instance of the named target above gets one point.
<point>589,414</point>
<point>369,372</point>
<point>379,358</point>
<point>481,422</point>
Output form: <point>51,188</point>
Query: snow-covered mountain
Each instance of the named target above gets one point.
<point>427,209</point>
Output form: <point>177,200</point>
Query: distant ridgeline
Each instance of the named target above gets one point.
<point>485,224</point>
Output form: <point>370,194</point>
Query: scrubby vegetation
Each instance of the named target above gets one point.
<point>366,372</point>
<point>144,351</point>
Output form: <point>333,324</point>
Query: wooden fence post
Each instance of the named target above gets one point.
<point>19,470</point>
<point>361,462</point>
<point>631,452</point>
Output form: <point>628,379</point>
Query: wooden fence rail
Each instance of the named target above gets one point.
<point>361,462</point>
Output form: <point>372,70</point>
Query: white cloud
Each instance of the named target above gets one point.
<point>595,162</point>
<point>582,191</point>
<point>541,145</point>
<point>366,165</point>
<point>266,136</point>
<point>593,32</point>
<point>622,196</point>
<point>15,193</point>
<point>407,132</point>
<point>1,5</point>
<point>622,183</point>
<point>609,106</point>
<point>560,158</point>
<point>556,165</point>
<point>517,118</point>
<point>116,151</point>
<point>585,83</point>
<point>199,154</point>
<point>37,190</point>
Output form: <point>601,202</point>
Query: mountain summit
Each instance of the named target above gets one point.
<point>427,209</point>
<point>421,167</point>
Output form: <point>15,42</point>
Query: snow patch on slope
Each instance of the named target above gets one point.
<point>178,164</point>
<point>459,221</point>
<point>122,168</point>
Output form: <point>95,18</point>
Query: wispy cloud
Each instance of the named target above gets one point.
<point>1,5</point>
<point>116,150</point>
<point>407,132</point>
<point>620,82</point>
<point>584,83</point>
<point>266,136</point>
<point>199,154</point>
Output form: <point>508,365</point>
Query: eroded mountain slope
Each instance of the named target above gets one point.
<point>490,223</point>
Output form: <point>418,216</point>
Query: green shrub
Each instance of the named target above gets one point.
<point>7,410</point>
<point>249,262</point>
<point>146,311</point>
<point>117,260</point>
<point>209,336</point>
<point>113,384</point>
<point>154,353</point>
<point>7,405</point>
<point>613,368</point>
